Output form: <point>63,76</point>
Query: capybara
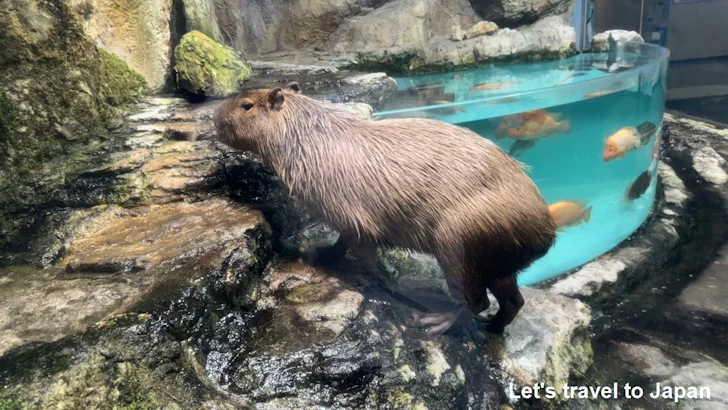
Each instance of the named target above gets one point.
<point>417,184</point>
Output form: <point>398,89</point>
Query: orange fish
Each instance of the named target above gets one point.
<point>532,125</point>
<point>621,142</point>
<point>569,213</point>
<point>490,86</point>
<point>600,93</point>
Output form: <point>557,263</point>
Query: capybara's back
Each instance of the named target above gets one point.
<point>413,183</point>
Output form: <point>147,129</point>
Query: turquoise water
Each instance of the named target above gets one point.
<point>569,165</point>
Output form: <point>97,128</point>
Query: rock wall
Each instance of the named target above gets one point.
<point>58,94</point>
<point>139,31</point>
<point>370,33</point>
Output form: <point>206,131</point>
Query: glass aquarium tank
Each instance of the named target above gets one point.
<point>587,128</point>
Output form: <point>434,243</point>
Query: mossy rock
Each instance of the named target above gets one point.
<point>207,68</point>
<point>119,84</point>
<point>58,93</point>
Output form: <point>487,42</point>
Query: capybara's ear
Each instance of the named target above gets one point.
<point>293,86</point>
<point>276,98</point>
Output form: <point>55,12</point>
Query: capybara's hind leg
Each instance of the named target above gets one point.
<point>509,298</point>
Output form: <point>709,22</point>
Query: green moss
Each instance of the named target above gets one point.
<point>119,84</point>
<point>206,67</point>
<point>10,403</point>
<point>7,117</point>
<point>59,93</point>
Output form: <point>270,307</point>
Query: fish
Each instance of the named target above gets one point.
<point>535,124</point>
<point>521,146</point>
<point>490,86</point>
<point>569,213</point>
<point>647,130</point>
<point>575,75</point>
<point>600,93</point>
<point>656,147</point>
<point>620,143</point>
<point>638,187</point>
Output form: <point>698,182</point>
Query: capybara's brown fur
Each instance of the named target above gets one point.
<point>418,184</point>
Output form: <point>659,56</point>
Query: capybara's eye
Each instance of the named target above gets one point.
<point>247,105</point>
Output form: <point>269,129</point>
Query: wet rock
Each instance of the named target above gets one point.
<point>709,165</point>
<point>646,359</point>
<point>706,296</point>
<point>116,364</point>
<point>59,92</point>
<point>547,342</point>
<point>186,131</point>
<point>708,374</point>
<point>205,67</point>
<point>141,239</point>
<point>161,174</point>
<point>600,41</point>
<point>673,187</point>
<point>152,247</point>
<point>44,306</point>
<point>510,13</point>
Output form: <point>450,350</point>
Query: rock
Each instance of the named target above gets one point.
<point>120,85</point>
<point>413,271</point>
<point>44,306</point>
<point>157,245</point>
<point>551,37</point>
<point>162,174</point>
<point>709,165</point>
<point>205,67</point>
<point>199,15</point>
<point>361,110</point>
<point>674,189</point>
<point>707,374</point>
<point>186,131</point>
<point>480,29</point>
<point>401,24</point>
<point>593,277</point>
<point>600,41</point>
<point>705,297</point>
<point>334,314</point>
<point>547,342</point>
<point>140,33</point>
<point>510,13</point>
<point>53,79</point>
<point>648,360</point>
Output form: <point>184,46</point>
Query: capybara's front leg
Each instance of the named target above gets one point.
<point>510,300</point>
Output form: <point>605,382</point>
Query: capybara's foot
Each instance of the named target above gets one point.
<point>438,323</point>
